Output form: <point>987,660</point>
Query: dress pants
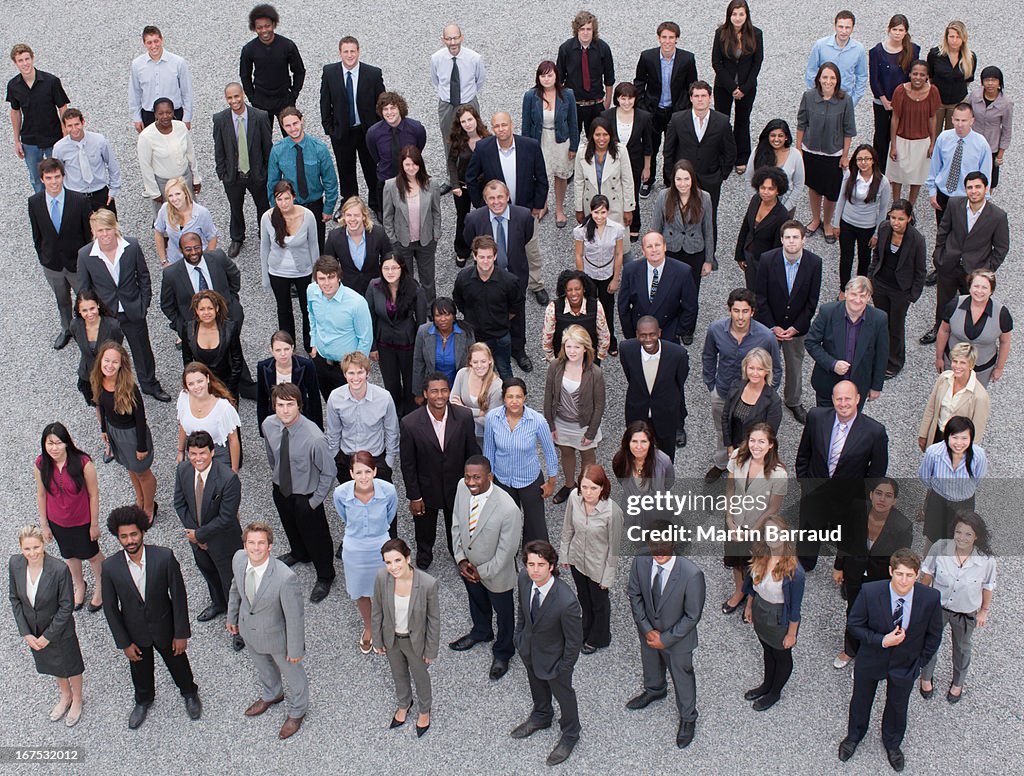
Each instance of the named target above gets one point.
<point>273,106</point>
<point>137,334</point>
<point>345,153</point>
<point>235,192</point>
<point>63,282</point>
<point>721,458</point>
<point>463,205</point>
<point>695,261</point>
<point>396,374</point>
<point>714,191</point>
<point>895,304</point>
<point>533,258</point>
<point>98,199</point>
<point>679,663</point>
<point>741,123</point>
<point>309,535</point>
<point>851,237</point>
<point>328,375</point>
<point>271,669</point>
<point>943,200</point>
<point>894,718</point>
<point>316,207</point>
<point>404,662</point>
<point>425,256</point>
<point>561,688</point>
<point>587,113</point>
<point>793,355</point>
<point>517,326</point>
<point>636,166</point>
<point>851,589</point>
<point>426,533</point>
<point>282,290</point>
<point>177,665</point>
<point>961,628</point>
<point>596,609</point>
<point>950,282</point>
<point>216,570</point>
<point>660,119</point>
<point>607,300</point>
<point>530,500</point>
<point>883,134</point>
<point>482,605</point>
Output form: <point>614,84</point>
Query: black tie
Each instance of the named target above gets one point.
<point>284,466</point>
<point>656,588</point>
<point>897,614</point>
<point>394,152</point>
<point>351,94</point>
<point>535,605</point>
<point>300,174</point>
<point>455,85</point>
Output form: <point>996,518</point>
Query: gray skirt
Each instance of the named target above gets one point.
<point>768,624</point>
<point>60,658</point>
<point>123,444</point>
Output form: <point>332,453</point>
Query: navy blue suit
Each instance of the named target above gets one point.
<point>531,174</point>
<point>826,344</point>
<point>675,304</point>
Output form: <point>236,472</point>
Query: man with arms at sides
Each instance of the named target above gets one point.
<point>788,288</point>
<point>585,65</point>
<point>242,141</point>
<point>339,323</point>
<point>265,609</point>
<point>457,74</point>
<point>548,636</point>
<point>957,152</point>
<point>659,286</point>
<point>348,107</point>
<point>899,625</point>
<point>666,594</point>
<point>158,73</point>
<point>60,227</point>
<point>435,442</point>
<point>146,607</point>
<point>487,532</point>
<point>270,67</point>
<point>38,102</point>
<point>89,164</point>
<point>206,497</point>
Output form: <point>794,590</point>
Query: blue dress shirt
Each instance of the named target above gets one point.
<point>976,156</point>
<point>338,325</point>
<point>513,453</point>
<point>908,603</point>
<point>666,81</point>
<point>851,60</point>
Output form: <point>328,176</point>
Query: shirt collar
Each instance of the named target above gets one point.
<point>848,423</point>
<point>97,251</point>
<point>508,150</point>
<point>258,569</point>
<point>354,71</point>
<point>645,356</point>
<point>666,567</point>
<point>435,421</point>
<point>142,559</point>
<point>907,599</point>
<point>59,198</point>
<point>583,307</point>
<point>546,587</point>
<point>504,214</point>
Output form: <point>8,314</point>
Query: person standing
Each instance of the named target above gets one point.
<point>951,67</point>
<point>889,64</point>
<point>360,248</point>
<point>412,218</point>
<point>661,287</point>
<point>38,102</point>
<point>284,366</point>
<point>339,324</point>
<point>457,74</point>
<point>736,56</point>
<point>270,67</point>
<point>585,65</point>
<point>90,167</point>
<point>386,138</point>
<point>634,129</point>
<point>993,116</point>
<point>845,53</point>
<point>604,168</point>
<point>863,206</point>
<point>957,153</point>
<point>165,151</point>
<point>155,74</point>
<point>761,228</point>
<point>913,131</point>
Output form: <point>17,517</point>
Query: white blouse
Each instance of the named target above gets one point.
<point>402,613</point>
<point>31,588</point>
<point>221,421</point>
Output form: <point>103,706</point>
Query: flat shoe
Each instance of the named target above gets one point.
<point>72,719</point>
<point>727,609</point>
<point>94,607</point>
<point>840,662</point>
<point>561,224</point>
<point>366,647</point>
<point>830,239</point>
<point>812,231</point>
<point>60,710</point>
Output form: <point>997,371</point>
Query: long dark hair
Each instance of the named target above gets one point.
<point>957,425</point>
<point>726,38</point>
<point>906,58</point>
<point>598,200</point>
<point>622,461</point>
<point>764,154</point>
<point>401,180</point>
<point>458,140</point>
<point>547,66</point>
<point>74,465</point>
<point>876,174</point>
<point>90,295</point>
<point>276,216</point>
<point>981,535</point>
<point>693,211</point>
<point>772,461</point>
<point>408,288</point>
<point>839,94</point>
<point>606,125</point>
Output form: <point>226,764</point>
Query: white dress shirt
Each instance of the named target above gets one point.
<point>507,158</point>
<point>543,589</point>
<point>138,572</point>
<point>260,570</point>
<point>699,126</point>
<point>113,267</point>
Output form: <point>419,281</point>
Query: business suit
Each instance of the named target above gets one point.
<point>303,376</point>
<point>51,616</point>
<point>492,549</point>
<point>675,618</point>
<point>616,183</point>
<point>348,138</point>
<point>757,238</point>
<point>549,647</point>
<point>826,344</point>
<point>767,409</point>
<point>777,306</point>
<point>423,249</point>
<point>732,73</point>
<point>406,652</point>
<point>639,146</point>
<point>177,290</point>
<point>273,628</point>
<point>892,300</point>
<point>664,405</point>
<point>432,473</point>
<point>215,523</point>
<point>649,87</point>
<point>870,620</point>
<point>150,623</point>
<point>58,251</point>
<point>259,140</point>
<point>675,304</point>
<point>378,248</point>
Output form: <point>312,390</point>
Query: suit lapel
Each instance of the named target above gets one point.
<point>264,582</point>
<point>862,335</point>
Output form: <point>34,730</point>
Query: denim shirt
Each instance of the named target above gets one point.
<point>566,127</point>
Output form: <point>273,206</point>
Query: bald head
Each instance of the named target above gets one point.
<point>501,125</point>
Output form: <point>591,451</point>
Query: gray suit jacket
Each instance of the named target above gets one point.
<point>52,616</point>
<point>424,613</point>
<point>259,137</point>
<point>396,214</point>
<point>494,545</point>
<point>681,605</point>
<point>551,645</point>
<point>984,247</point>
<point>273,624</point>
<point>425,351</point>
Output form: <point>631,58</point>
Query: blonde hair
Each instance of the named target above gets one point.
<point>581,337</point>
<point>485,384</point>
<point>762,553</point>
<point>966,57</point>
<point>352,202</point>
<point>860,283</point>
<point>964,350</point>
<point>174,216</point>
<point>763,358</point>
<point>104,217</point>
<point>30,532</point>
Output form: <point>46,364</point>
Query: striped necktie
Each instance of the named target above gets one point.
<point>474,514</point>
<point>837,448</point>
<point>897,614</point>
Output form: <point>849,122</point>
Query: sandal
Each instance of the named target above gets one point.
<point>366,647</point>
<point>815,229</point>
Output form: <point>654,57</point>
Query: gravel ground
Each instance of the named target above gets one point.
<point>352,695</point>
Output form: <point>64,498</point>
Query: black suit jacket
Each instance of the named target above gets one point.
<point>52,615</point>
<point>259,139</point>
<point>519,231</point>
<point>551,645</point>
<point>133,289</point>
<point>176,289</point>
<point>865,453</point>
<point>60,251</point>
<point>378,248</point>
<point>662,406</point>
<point>826,343</point>
<point>776,305</point>
<point>648,79</point>
<point>641,139</point>
<point>873,565</point>
<point>531,174</point>
<point>675,304</point>
<point>158,620</point>
<point>110,329</point>
<point>430,473</point>
<point>303,376</point>
<point>713,157</point>
<point>225,361</point>
<point>222,493</point>
<point>334,107</point>
<point>984,247</point>
<point>910,269</point>
<point>767,409</point>
<point>742,72</point>
<point>755,238</point>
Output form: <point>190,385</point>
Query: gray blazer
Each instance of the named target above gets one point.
<point>498,537</point>
<point>396,214</point>
<point>686,238</point>
<point>424,613</point>
<point>551,645</point>
<point>274,624</point>
<point>425,350</point>
<point>681,605</point>
<point>52,616</point>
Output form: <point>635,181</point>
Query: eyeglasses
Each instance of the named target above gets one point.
<point>451,39</point>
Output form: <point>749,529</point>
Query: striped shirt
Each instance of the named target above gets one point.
<point>937,472</point>
<point>513,453</point>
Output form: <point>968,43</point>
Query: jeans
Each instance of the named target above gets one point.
<point>501,349</point>
<point>33,156</point>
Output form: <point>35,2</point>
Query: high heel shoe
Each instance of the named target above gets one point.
<point>60,709</point>
<point>395,723</point>
<point>80,604</point>
<point>421,731</point>
<point>93,608</point>
<point>729,609</point>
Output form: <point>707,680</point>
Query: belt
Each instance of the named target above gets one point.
<point>401,635</point>
<point>587,103</point>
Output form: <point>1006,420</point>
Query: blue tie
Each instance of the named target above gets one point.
<point>55,214</point>
<point>353,120</point>
<point>202,280</point>
<point>501,240</point>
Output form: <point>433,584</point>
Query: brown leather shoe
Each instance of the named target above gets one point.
<point>290,728</point>
<point>259,706</point>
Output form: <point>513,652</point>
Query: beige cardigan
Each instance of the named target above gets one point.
<point>971,404</point>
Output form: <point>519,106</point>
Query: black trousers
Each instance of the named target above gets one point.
<point>316,207</point>
<point>695,261</point>
<point>517,326</point>
<point>636,166</point>
<point>148,117</point>
<point>778,667</point>
<point>607,300</point>
<point>883,134</point>
<point>894,718</point>
<point>950,282</point>
<point>396,374</point>
<point>850,237</point>
<point>345,154</point>
<point>328,376</point>
<point>741,124</point>
<point>587,113</point>
<point>541,690</point>
<point>530,500</point>
<point>425,528</point>
<point>483,605</point>
<point>216,570</point>
<point>282,288</point>
<point>144,681</point>
<point>596,608</point>
<point>235,192</point>
<point>309,535</point>
<point>895,304</point>
<point>851,589</point>
<point>714,191</point>
<point>660,118</point>
<point>137,334</point>
<point>274,106</point>
<point>463,205</point>
<point>98,199</point>
<point>943,200</point>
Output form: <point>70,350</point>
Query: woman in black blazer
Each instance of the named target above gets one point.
<point>213,340</point>
<point>355,217</point>
<point>761,230</point>
<point>286,367</point>
<point>736,56</point>
<point>91,327</point>
<point>897,272</point>
<point>43,600</point>
<point>752,399</point>
<point>639,144</point>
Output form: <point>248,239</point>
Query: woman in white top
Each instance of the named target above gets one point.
<point>288,250</point>
<point>205,405</point>
<point>180,214</point>
<point>165,151</point>
<point>863,205</point>
<point>478,386</point>
<point>599,249</point>
<point>604,168</point>
<point>775,149</point>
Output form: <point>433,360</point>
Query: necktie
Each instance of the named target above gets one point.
<point>250,585</point>
<point>897,614</point>
<point>300,174</point>
<point>350,92</point>
<point>656,587</point>
<point>585,65</point>
<point>83,163</point>
<point>455,85</point>
<point>55,214</point>
<point>284,466</point>
<point>837,448</point>
<point>953,179</point>
<point>474,514</point>
<point>203,285</point>
<point>502,241</point>
<point>535,605</point>
<point>243,148</point>
<point>394,152</point>
<point>654,284</point>
<point>200,487</point>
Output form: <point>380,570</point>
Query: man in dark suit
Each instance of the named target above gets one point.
<point>705,138</point>
<point>436,441</point>
<point>656,372</point>
<point>146,607</point>
<point>849,340</point>
<point>242,166</point>
<point>973,234</point>
<point>348,107</point>
<point>529,189</point>
<point>666,595</point>
<point>788,288</point>
<point>660,98</point>
<point>206,497</point>
<point>660,287</point>
<point>899,626</point>
<point>60,227</point>
<point>128,297</point>
<point>513,229</point>
<point>548,635</point>
<point>840,449</point>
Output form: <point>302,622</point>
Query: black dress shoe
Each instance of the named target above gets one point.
<point>562,494</point>
<point>765,702</point>
<point>444,188</point>
<point>542,297</point>
<point>234,249</point>
<point>714,474</point>
<point>62,340</point>
<point>685,734</point>
<point>320,591</point>
<point>896,759</point>
<point>138,715</point>
<point>931,278</point>
<point>643,700</point>
<point>588,649</point>
<point>498,669</point>
<point>799,413</point>
<point>209,613</point>
<point>645,190</point>
<point>237,643</point>
<point>687,339</point>
<point>929,336</point>
<point>681,437</point>
<point>91,607</point>
<point>527,729</point>
<point>954,698</point>
<point>891,373</point>
<point>561,751</point>
<point>193,706</point>
<point>423,562</point>
<point>755,693</point>
<point>288,559</point>
<point>158,393</point>
<point>846,749</point>
<point>524,361</point>
<point>466,642</point>
<point>394,720</point>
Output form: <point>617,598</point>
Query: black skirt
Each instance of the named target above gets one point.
<point>74,542</point>
<point>62,658</point>
<point>823,175</point>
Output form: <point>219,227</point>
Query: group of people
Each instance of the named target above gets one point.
<point>452,417</point>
